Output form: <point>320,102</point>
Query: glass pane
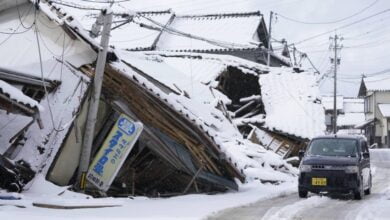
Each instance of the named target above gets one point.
<point>333,147</point>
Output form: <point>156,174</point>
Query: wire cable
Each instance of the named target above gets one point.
<point>329,22</point>
<point>43,79</point>
<point>342,27</point>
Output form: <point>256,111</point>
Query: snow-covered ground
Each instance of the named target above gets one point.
<point>374,206</point>
<point>272,202</point>
<point>180,207</point>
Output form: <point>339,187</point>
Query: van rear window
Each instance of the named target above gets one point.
<point>333,147</point>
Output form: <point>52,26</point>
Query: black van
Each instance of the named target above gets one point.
<point>335,164</point>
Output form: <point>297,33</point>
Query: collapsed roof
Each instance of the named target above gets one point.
<point>292,103</point>
<point>191,105</point>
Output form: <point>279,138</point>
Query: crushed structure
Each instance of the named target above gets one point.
<point>208,115</point>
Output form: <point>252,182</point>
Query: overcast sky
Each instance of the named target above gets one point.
<point>366,44</point>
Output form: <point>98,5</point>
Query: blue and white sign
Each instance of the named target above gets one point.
<point>114,152</point>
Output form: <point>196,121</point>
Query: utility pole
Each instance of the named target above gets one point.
<point>336,62</point>
<point>269,38</point>
<point>106,20</point>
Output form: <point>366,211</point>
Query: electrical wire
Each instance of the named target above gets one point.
<point>74,5</point>
<point>106,2</point>
<point>20,16</point>
<point>223,44</point>
<point>43,79</point>
<point>17,28</point>
<point>329,22</point>
<point>342,27</point>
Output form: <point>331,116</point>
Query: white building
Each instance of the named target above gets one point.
<point>376,93</point>
<point>350,112</point>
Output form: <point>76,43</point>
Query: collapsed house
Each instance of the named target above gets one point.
<point>200,111</point>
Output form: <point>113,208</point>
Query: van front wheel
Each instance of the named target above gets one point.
<point>302,193</point>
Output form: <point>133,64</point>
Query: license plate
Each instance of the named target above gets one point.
<point>318,181</point>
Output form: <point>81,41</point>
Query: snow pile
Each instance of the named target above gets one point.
<point>18,96</point>
<point>291,103</point>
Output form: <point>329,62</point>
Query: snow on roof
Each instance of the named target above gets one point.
<point>195,77</point>
<point>18,96</point>
<point>290,108</point>
<point>377,83</point>
<point>353,105</point>
<point>53,42</point>
<point>136,35</point>
<point>327,102</point>
<point>235,30</point>
<point>6,4</point>
<point>385,110</point>
<point>350,119</point>
<point>229,30</point>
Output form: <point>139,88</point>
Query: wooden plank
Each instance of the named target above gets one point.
<point>68,206</point>
<point>156,113</point>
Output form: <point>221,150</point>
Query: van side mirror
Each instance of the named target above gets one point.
<point>366,155</point>
<point>301,153</point>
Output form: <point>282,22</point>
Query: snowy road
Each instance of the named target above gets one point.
<point>316,207</point>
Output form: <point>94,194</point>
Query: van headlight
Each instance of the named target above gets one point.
<point>351,169</point>
<point>305,168</point>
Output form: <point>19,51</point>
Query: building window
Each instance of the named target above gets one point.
<point>368,104</point>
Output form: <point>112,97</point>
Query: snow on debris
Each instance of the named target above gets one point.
<point>251,159</point>
<point>291,103</point>
<point>18,96</point>
<point>385,110</point>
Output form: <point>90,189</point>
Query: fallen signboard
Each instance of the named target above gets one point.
<point>114,152</point>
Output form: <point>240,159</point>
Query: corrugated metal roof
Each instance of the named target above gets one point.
<point>377,83</point>
<point>289,108</point>
<point>234,30</point>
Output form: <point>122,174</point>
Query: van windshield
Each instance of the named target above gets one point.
<point>333,147</point>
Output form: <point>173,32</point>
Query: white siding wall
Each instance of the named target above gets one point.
<point>381,127</point>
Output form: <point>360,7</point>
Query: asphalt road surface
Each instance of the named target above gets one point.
<point>315,207</point>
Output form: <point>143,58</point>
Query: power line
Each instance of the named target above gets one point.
<point>106,2</point>
<point>20,25</point>
<point>74,5</point>
<point>342,27</point>
<point>329,22</point>
<point>223,44</point>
